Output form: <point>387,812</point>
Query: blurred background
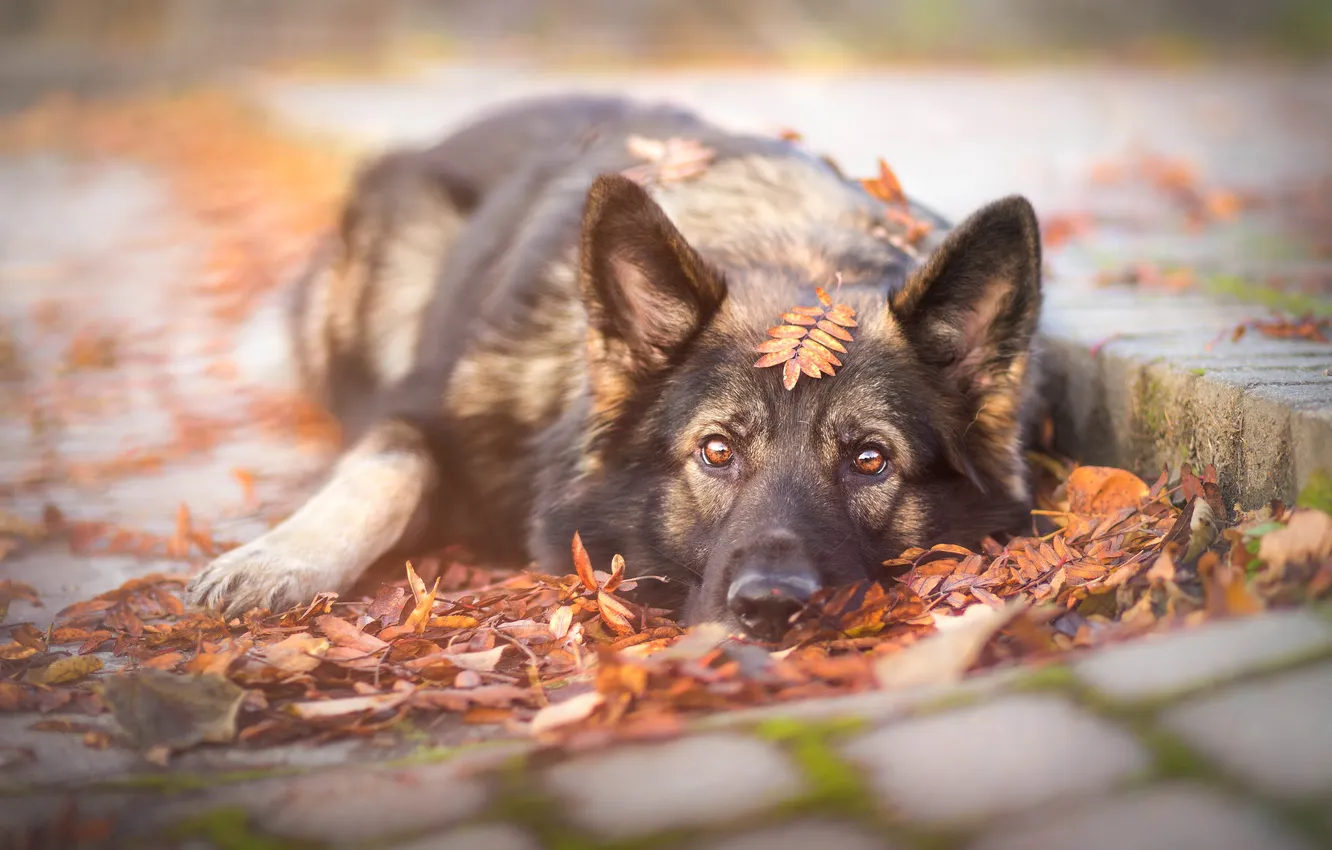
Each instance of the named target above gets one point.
<point>93,45</point>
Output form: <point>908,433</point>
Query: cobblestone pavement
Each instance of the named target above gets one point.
<point>1214,738</point>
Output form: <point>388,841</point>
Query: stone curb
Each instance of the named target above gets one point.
<point>1139,380</point>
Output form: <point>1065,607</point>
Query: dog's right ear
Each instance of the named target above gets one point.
<point>647,293</point>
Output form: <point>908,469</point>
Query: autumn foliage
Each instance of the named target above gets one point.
<point>806,343</point>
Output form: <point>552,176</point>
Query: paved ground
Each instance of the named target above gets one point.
<point>1019,762</point>
<point>1213,739</point>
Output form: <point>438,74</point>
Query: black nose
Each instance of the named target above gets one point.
<point>765,602</point>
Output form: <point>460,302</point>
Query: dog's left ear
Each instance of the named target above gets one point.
<point>970,312</point>
<point>646,291</point>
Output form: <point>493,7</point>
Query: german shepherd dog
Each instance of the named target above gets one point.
<point>521,342</point>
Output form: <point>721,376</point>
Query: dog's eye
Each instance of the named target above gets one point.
<point>870,460</point>
<point>716,452</point>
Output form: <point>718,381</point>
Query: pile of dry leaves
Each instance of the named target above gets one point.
<point>573,657</point>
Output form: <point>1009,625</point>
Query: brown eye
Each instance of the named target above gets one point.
<point>870,461</point>
<point>716,451</point>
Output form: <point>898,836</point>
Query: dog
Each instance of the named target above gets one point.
<point>549,322</point>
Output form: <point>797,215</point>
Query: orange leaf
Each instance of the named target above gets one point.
<point>825,339</point>
<point>790,374</point>
<point>583,563</point>
<point>775,358</point>
<point>787,332</point>
<point>797,318</point>
<point>832,330</point>
<point>768,346</point>
<point>1104,490</point>
<point>822,295</point>
<point>616,615</point>
<point>841,319</point>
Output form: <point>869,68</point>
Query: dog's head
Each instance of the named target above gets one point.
<point>754,496</point>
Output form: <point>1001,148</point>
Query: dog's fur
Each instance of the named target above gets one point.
<point>520,343</point>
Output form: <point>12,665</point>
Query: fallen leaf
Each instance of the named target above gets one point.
<point>561,620</point>
<point>615,613</point>
<point>64,670</point>
<point>569,711</point>
<point>583,563</point>
<point>1102,490</point>
<point>329,708</point>
<point>1307,538</point>
<point>344,633</point>
<point>944,657</point>
<point>297,653</point>
<point>159,709</point>
<point>14,651</point>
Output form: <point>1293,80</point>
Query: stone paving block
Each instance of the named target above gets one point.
<point>1007,755</point>
<point>355,804</point>
<point>694,781</point>
<point>1162,664</point>
<point>803,835</point>
<point>1170,817</point>
<point>1273,734</point>
<point>490,836</point>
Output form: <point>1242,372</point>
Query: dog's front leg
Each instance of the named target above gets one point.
<point>363,511</point>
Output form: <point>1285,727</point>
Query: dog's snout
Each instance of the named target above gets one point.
<point>773,583</point>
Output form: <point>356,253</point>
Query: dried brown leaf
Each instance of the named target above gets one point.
<point>583,563</point>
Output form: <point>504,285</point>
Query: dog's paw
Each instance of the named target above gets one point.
<point>260,575</point>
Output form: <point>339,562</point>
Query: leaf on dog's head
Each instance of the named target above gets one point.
<point>886,187</point>
<point>805,342</point>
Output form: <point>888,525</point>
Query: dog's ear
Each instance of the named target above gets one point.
<point>970,312</point>
<point>647,293</point>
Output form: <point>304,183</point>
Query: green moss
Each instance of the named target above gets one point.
<point>229,829</point>
<point>951,701</point>
<point>1171,757</point>
<point>1317,493</point>
<point>1198,371</point>
<point>785,729</point>
<point>1151,399</point>
<point>171,782</point>
<point>1058,678</point>
<point>1295,303</point>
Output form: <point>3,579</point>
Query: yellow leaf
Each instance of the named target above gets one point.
<point>64,670</point>
<point>417,585</point>
<point>454,621</point>
<point>425,603</point>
